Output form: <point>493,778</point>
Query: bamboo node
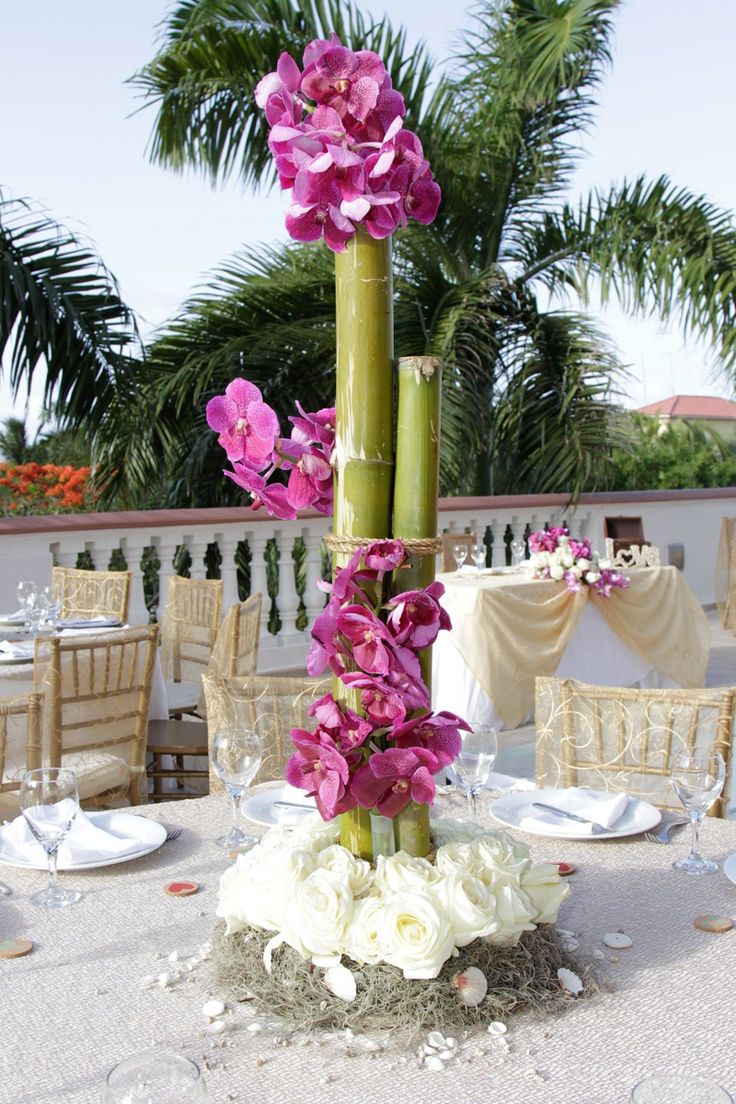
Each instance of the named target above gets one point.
<point>415,546</point>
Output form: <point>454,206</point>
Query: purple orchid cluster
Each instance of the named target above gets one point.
<point>387,757</point>
<point>249,433</point>
<point>338,140</point>
<point>556,555</point>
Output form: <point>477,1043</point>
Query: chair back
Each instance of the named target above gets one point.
<point>617,739</point>
<point>270,705</point>
<point>189,626</point>
<point>451,539</point>
<point>92,593</point>
<point>97,695</point>
<point>23,710</point>
<point>235,653</point>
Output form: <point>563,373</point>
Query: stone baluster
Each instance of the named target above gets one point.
<point>258,582</point>
<point>132,549</point>
<point>288,598</point>
<point>228,545</point>
<point>197,547</point>
<point>314,598</point>
<point>165,544</point>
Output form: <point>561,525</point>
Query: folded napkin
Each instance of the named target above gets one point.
<point>17,618</point>
<point>90,623</point>
<point>85,843</point>
<point>16,650</point>
<point>604,808</point>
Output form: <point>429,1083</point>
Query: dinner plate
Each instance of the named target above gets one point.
<point>261,808</point>
<point>729,868</point>
<point>150,832</point>
<point>510,810</point>
<point>11,659</point>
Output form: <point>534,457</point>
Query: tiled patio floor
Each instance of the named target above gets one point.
<point>516,754</point>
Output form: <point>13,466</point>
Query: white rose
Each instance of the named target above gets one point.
<point>318,917</point>
<point>454,856</point>
<point>357,871</point>
<point>556,571</point>
<point>567,559</point>
<point>583,564</point>
<point>403,872</point>
<point>448,830</point>
<point>604,565</point>
<point>498,859</point>
<point>312,833</point>
<point>258,887</point>
<point>470,905</point>
<point>514,914</point>
<point>592,576</point>
<point>364,939</point>
<point>546,891</point>
<point>416,934</point>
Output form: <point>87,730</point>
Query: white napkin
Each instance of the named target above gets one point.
<point>603,808</point>
<point>90,623</point>
<point>18,617</point>
<point>16,651</point>
<point>85,843</point>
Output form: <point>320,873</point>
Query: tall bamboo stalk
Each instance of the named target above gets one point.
<point>416,487</point>
<point>364,456</point>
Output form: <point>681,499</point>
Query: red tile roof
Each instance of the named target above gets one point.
<point>691,406</point>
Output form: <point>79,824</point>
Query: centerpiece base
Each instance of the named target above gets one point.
<point>524,977</point>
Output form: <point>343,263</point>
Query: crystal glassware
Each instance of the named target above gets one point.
<point>26,592</point>
<point>478,556</point>
<point>697,779</point>
<point>473,764</point>
<point>155,1077</point>
<point>37,612</point>
<point>679,1088</point>
<point>459,555</point>
<point>53,605</point>
<point>236,756</point>
<point>49,800</point>
<point>518,552</point>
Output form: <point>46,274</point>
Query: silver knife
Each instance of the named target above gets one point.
<point>294,805</point>
<point>570,816</point>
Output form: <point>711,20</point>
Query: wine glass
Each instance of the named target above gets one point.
<point>697,779</point>
<point>53,603</point>
<point>37,612</point>
<point>679,1088</point>
<point>155,1077</point>
<point>459,555</point>
<point>478,556</point>
<point>236,756</point>
<point>26,592</point>
<point>49,800</point>
<point>473,764</point>
<point>518,552</point>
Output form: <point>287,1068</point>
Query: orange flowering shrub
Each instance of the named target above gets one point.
<point>45,488</point>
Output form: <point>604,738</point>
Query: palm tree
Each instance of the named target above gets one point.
<point>60,312</point>
<point>15,447</point>
<point>527,386</point>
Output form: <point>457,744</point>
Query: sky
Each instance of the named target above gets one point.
<point>72,137</point>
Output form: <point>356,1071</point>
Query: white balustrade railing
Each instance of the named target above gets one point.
<point>28,546</point>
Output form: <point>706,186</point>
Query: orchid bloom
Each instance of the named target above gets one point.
<point>368,637</point>
<point>437,732</point>
<point>416,616</point>
<point>391,779</point>
<point>321,770</point>
<point>247,426</point>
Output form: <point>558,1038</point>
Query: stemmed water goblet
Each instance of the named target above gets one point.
<point>459,555</point>
<point>697,779</point>
<point>37,611</point>
<point>478,556</point>
<point>155,1077</point>
<point>49,801</point>
<point>26,592</point>
<point>473,764</point>
<point>518,552</point>
<point>53,605</point>
<point>236,757</point>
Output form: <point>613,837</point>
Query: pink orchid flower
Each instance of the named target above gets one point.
<point>247,426</point>
<point>344,726</point>
<point>384,555</point>
<point>321,218</point>
<point>319,769</point>
<point>367,636</point>
<point>314,428</point>
<point>347,81</point>
<point>437,732</point>
<point>416,616</point>
<point>391,779</point>
<point>323,650</point>
<point>337,164</point>
<point>274,498</point>
<point>310,478</point>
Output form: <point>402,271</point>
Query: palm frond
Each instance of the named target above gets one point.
<point>60,311</point>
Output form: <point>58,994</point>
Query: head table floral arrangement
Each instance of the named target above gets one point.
<point>556,555</point>
<point>360,914</point>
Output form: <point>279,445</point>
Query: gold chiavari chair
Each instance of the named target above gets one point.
<point>617,739</point>
<point>97,695</point>
<point>20,720</point>
<point>189,627</point>
<point>235,653</point>
<point>270,705</point>
<point>92,593</point>
<point>451,539</point>
<point>726,574</point>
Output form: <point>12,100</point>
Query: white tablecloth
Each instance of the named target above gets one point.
<point>593,654</point>
<point>75,1006</point>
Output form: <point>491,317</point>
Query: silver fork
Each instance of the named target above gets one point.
<point>665,830</point>
<point>173,834</point>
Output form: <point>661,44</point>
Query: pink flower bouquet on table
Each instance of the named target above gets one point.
<point>556,555</point>
<point>338,141</point>
<point>386,758</point>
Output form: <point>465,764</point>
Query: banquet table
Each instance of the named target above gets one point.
<point>75,1006</point>
<point>508,629</point>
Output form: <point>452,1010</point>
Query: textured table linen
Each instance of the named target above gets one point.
<point>75,1006</point>
<point>509,629</point>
